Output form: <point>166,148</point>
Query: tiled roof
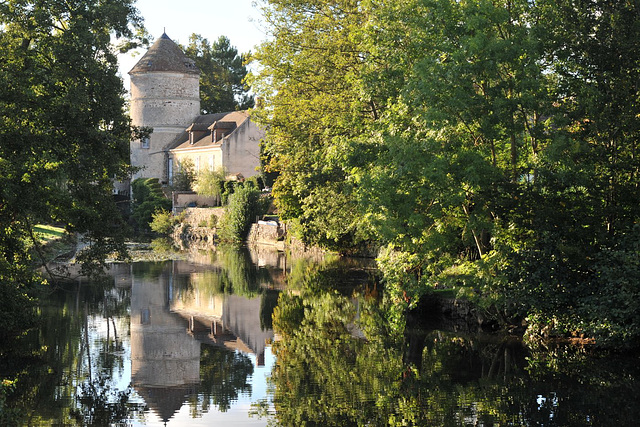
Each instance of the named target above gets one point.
<point>165,55</point>
<point>198,127</point>
<point>223,125</point>
<point>233,120</point>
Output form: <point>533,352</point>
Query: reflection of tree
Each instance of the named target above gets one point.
<point>244,277</point>
<point>325,376</point>
<point>233,272</point>
<point>149,270</point>
<point>62,360</point>
<point>224,375</point>
<point>100,405</point>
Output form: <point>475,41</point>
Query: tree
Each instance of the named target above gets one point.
<point>210,183</point>
<point>488,146</point>
<point>222,74</point>
<point>148,201</point>
<point>184,178</point>
<point>310,79</point>
<point>64,133</point>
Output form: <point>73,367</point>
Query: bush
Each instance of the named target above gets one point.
<point>245,204</point>
<point>229,188</point>
<point>148,198</point>
<point>213,221</point>
<point>162,222</point>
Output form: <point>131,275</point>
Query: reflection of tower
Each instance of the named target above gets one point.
<point>165,360</point>
<point>165,95</point>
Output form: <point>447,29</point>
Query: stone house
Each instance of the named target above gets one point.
<point>228,141</point>
<point>165,96</point>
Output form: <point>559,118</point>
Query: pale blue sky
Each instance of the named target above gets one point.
<point>239,20</point>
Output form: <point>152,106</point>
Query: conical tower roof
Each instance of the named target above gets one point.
<point>165,55</point>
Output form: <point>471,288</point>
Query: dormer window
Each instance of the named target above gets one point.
<point>196,132</point>
<point>221,129</point>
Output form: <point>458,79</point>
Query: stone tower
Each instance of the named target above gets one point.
<point>165,96</point>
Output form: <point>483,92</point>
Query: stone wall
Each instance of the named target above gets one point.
<point>195,216</point>
<point>181,200</point>
<point>267,232</point>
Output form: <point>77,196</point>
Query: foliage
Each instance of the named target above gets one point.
<point>56,386</point>
<point>100,405</point>
<point>324,373</point>
<point>185,176</point>
<point>486,145</point>
<point>209,182</point>
<point>222,74</point>
<point>245,204</point>
<point>229,187</point>
<point>148,199</point>
<point>64,135</point>
<point>224,375</point>
<point>213,221</point>
<point>310,82</point>
<point>162,222</point>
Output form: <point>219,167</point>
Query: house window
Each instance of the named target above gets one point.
<point>198,164</point>
<point>145,316</point>
<point>190,137</point>
<point>211,163</point>
<point>144,142</point>
<point>170,170</point>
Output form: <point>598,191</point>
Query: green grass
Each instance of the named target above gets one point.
<point>54,242</point>
<point>48,233</point>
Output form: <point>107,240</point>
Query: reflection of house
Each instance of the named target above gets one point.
<point>165,96</point>
<point>230,321</point>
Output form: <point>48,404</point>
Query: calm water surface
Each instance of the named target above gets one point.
<point>233,337</point>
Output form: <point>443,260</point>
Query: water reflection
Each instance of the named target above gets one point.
<point>327,375</point>
<point>183,342</point>
<point>177,310</point>
<point>192,321</point>
<point>153,339</point>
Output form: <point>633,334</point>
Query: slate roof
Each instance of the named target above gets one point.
<point>165,55</point>
<point>231,120</point>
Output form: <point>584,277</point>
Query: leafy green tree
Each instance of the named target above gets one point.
<point>64,132</point>
<point>210,183</point>
<point>185,176</point>
<point>310,81</point>
<point>489,146</point>
<point>222,74</point>
<point>148,200</point>
<point>162,222</point>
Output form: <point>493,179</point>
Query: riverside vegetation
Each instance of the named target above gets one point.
<point>486,147</point>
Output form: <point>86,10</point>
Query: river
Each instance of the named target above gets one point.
<point>250,338</point>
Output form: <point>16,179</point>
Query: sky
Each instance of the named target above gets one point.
<point>239,20</point>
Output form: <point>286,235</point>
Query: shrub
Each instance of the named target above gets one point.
<point>162,222</point>
<point>229,188</point>
<point>213,221</point>
<point>245,204</point>
<point>147,199</point>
